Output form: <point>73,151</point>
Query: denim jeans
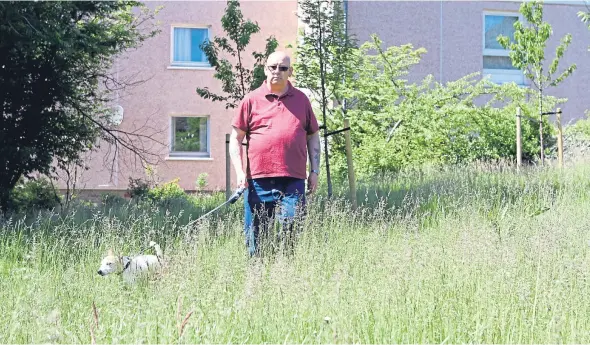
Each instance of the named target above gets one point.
<point>262,198</point>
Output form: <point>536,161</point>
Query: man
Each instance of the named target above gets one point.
<point>281,131</point>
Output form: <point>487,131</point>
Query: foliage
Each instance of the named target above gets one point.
<point>138,188</point>
<point>33,195</point>
<point>112,199</point>
<point>325,58</point>
<point>527,53</point>
<point>481,244</point>
<point>53,57</point>
<point>577,137</point>
<point>398,125</point>
<point>167,191</point>
<point>201,182</point>
<point>581,127</point>
<point>236,80</point>
<point>585,16</point>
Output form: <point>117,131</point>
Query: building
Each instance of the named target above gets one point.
<point>458,35</point>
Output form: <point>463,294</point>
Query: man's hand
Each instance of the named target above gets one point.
<point>242,181</point>
<point>313,149</point>
<point>235,150</point>
<point>312,182</point>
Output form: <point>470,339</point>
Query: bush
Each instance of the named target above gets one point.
<point>138,188</point>
<point>577,139</point>
<point>201,181</point>
<point>111,199</point>
<point>167,191</point>
<point>397,125</point>
<point>33,195</point>
<point>581,128</point>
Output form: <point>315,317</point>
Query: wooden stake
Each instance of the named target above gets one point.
<point>351,178</point>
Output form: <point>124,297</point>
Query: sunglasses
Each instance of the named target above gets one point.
<point>281,68</point>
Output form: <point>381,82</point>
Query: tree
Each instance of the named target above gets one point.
<point>236,80</point>
<point>55,63</point>
<point>527,53</point>
<point>400,125</point>
<point>325,60</point>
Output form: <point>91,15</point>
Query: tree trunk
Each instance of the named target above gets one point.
<point>324,100</point>
<point>541,126</point>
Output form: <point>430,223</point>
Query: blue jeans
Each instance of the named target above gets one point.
<point>262,198</point>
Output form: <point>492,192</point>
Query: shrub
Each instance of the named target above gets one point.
<point>167,191</point>
<point>201,182</point>
<point>111,199</point>
<point>33,195</point>
<point>396,124</point>
<point>138,188</point>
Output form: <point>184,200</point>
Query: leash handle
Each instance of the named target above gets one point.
<point>231,200</point>
<point>236,195</point>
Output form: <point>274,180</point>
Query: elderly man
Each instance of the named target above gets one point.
<point>281,131</point>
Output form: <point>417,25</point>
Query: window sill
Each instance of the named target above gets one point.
<point>196,68</point>
<point>187,158</point>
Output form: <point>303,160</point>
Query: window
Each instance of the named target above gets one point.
<point>186,46</point>
<point>190,136</point>
<point>496,61</point>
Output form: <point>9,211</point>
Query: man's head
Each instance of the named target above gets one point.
<point>278,70</point>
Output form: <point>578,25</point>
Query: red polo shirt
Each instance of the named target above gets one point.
<point>276,132</point>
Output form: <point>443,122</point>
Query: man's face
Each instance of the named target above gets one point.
<point>277,70</point>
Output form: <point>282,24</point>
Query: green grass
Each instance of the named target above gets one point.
<point>458,255</point>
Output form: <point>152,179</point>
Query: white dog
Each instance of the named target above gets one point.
<point>131,267</point>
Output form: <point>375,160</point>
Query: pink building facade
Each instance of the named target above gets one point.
<point>458,35</point>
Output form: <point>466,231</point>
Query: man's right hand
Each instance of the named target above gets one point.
<point>242,181</point>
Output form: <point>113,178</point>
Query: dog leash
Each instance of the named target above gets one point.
<point>232,199</point>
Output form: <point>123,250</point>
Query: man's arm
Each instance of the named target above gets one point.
<point>313,150</point>
<point>235,152</point>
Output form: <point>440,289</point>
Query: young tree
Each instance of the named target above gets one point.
<point>236,80</point>
<point>401,125</point>
<point>55,63</point>
<point>325,59</point>
<point>527,53</point>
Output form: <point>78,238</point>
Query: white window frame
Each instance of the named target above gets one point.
<point>184,64</point>
<point>500,75</point>
<point>188,154</point>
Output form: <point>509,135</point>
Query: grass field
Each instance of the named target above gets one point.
<point>460,255</point>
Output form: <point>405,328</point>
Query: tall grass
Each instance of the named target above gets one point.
<point>458,255</point>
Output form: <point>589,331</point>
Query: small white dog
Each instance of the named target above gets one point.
<point>131,267</point>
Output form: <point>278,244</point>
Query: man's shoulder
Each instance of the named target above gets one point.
<point>299,93</point>
<point>256,93</point>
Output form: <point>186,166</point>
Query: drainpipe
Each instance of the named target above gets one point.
<point>345,8</point>
<point>441,43</point>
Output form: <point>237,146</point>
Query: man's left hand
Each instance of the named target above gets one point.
<point>312,182</point>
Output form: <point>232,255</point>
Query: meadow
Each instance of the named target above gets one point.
<point>473,254</point>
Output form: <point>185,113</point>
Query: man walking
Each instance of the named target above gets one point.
<point>281,132</point>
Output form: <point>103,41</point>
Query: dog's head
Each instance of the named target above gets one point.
<point>112,263</point>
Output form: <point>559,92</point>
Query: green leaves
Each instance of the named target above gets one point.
<point>527,52</point>
<point>397,124</point>
<point>236,80</point>
<point>57,58</point>
<point>585,17</point>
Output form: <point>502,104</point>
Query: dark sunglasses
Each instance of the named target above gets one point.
<point>281,68</point>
